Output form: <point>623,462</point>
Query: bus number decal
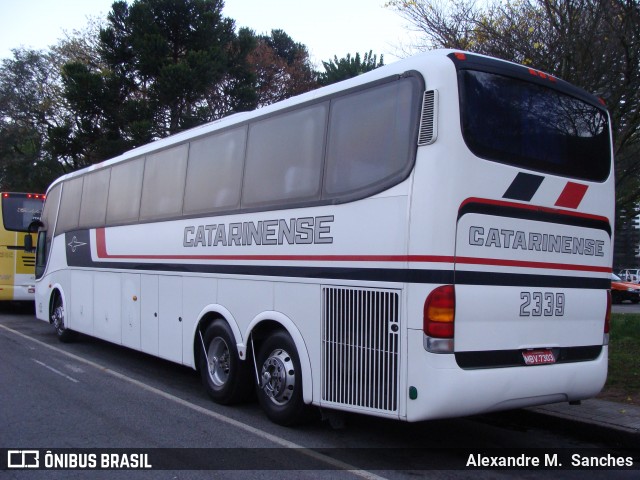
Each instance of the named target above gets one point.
<point>538,304</point>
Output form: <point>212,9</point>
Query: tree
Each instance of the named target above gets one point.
<point>29,108</point>
<point>163,66</point>
<point>594,44</point>
<point>281,66</point>
<point>347,67</point>
<point>157,60</point>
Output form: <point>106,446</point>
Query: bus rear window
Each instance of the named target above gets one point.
<point>18,211</point>
<point>527,125</point>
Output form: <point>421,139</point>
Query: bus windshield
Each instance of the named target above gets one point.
<point>19,210</point>
<point>527,125</point>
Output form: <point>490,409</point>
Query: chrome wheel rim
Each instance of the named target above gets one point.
<point>278,377</point>
<point>57,318</point>
<point>218,361</point>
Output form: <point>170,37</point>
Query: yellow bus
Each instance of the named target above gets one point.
<point>17,259</point>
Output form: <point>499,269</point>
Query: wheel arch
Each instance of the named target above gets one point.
<point>266,323</point>
<point>56,290</point>
<point>207,316</point>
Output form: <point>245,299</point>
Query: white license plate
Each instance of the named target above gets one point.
<point>538,357</point>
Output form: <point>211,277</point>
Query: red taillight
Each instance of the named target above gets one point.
<point>460,56</point>
<point>439,312</point>
<point>544,76</point>
<point>607,315</point>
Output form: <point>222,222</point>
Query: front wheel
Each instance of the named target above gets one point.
<point>57,319</point>
<point>280,383</point>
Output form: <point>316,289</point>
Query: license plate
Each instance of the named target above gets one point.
<point>538,357</point>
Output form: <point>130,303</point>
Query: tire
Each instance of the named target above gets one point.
<point>57,319</point>
<point>225,377</point>
<point>615,297</point>
<point>280,389</point>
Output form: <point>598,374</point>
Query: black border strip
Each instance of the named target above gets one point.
<point>534,214</point>
<point>514,358</point>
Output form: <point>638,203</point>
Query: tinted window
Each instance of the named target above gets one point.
<point>163,185</point>
<point>70,205</point>
<point>44,238</point>
<point>284,157</point>
<point>18,211</point>
<point>94,199</point>
<point>534,127</point>
<point>51,209</point>
<point>124,192</point>
<point>214,173</point>
<point>371,137</point>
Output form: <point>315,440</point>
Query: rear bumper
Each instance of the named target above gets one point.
<point>19,293</point>
<point>619,296</point>
<point>445,390</point>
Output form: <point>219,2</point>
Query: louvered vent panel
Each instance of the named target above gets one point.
<point>29,261</point>
<point>360,344</point>
<point>428,121</point>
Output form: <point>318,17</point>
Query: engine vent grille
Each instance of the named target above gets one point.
<point>360,343</point>
<point>428,121</point>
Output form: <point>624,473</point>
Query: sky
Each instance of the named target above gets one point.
<point>326,27</point>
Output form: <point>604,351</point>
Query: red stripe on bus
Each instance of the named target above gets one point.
<point>103,254</point>
<point>533,208</point>
<point>572,195</point>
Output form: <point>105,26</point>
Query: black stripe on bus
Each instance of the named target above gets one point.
<point>540,215</point>
<point>78,250</point>
<point>523,187</point>
<point>394,275</point>
<point>514,358</point>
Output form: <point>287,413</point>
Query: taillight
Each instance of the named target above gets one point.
<point>607,319</point>
<point>438,319</point>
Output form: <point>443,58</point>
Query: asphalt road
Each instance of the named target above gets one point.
<point>94,395</point>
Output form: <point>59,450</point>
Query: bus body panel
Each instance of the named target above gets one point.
<point>444,390</point>
<point>547,306</point>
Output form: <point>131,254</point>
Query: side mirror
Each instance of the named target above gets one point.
<point>28,243</point>
<point>34,226</point>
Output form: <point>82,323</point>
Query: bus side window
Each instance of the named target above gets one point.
<point>214,172</point>
<point>123,205</point>
<point>163,183</point>
<point>70,205</point>
<point>284,158</point>
<point>371,138</point>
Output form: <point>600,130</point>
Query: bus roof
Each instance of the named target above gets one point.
<point>414,63</point>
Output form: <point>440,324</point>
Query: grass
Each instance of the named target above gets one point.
<point>623,381</point>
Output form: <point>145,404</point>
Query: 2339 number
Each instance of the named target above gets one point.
<point>538,304</point>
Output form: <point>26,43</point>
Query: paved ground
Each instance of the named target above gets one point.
<point>613,419</point>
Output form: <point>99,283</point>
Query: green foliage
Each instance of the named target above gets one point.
<point>624,361</point>
<point>28,100</point>
<point>337,70</point>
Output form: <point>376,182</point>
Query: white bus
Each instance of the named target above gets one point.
<point>427,240</point>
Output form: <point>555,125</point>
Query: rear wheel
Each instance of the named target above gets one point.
<point>57,319</point>
<point>280,388</point>
<point>226,379</point>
